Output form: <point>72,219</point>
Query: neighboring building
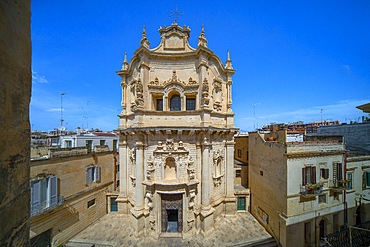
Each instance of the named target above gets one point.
<point>241,155</point>
<point>68,193</point>
<point>176,136</point>
<point>297,188</point>
<point>299,126</point>
<point>356,136</point>
<point>90,140</point>
<point>358,189</point>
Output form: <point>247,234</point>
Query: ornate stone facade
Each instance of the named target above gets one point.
<point>176,136</point>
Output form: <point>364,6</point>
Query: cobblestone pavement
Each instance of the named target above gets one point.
<point>114,230</point>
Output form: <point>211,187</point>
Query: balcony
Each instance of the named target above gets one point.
<point>311,190</point>
<point>338,185</point>
<point>43,207</point>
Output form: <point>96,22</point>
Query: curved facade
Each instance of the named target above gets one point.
<point>176,136</point>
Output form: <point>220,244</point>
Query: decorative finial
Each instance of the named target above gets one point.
<point>144,40</point>
<point>125,63</point>
<point>202,41</point>
<point>175,15</point>
<point>125,57</point>
<point>228,61</point>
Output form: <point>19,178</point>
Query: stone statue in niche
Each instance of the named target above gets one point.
<point>139,95</point>
<point>149,197</point>
<point>191,169</point>
<point>217,95</point>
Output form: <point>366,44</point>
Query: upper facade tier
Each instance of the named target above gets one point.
<point>175,84</point>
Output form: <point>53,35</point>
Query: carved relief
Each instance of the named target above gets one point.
<point>217,95</point>
<point>218,170</point>
<point>170,161</point>
<point>137,99</point>
<point>132,155</point>
<point>173,80</point>
<point>205,92</point>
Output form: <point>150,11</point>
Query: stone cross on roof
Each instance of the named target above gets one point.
<point>175,14</point>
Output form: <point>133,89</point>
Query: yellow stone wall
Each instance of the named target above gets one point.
<point>74,215</point>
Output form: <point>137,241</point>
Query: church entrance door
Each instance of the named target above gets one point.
<point>172,213</point>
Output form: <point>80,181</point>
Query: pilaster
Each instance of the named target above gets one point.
<point>230,199</point>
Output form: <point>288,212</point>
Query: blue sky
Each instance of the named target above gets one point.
<point>292,58</point>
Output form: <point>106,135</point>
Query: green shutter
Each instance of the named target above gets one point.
<point>241,203</point>
<point>367,178</point>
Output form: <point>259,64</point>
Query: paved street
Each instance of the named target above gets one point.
<point>115,230</point>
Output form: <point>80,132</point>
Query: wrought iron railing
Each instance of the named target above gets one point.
<point>46,206</point>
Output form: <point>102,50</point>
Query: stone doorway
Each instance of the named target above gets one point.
<point>172,213</point>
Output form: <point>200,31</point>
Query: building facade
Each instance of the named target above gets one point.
<point>68,193</point>
<point>176,136</point>
<point>297,187</point>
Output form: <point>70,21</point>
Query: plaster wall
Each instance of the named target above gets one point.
<point>267,180</point>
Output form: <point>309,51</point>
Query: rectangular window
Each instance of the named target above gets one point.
<point>241,203</point>
<point>44,194</point>
<point>68,144</point>
<point>102,142</point>
<point>350,180</point>
<point>89,145</point>
<point>93,174</point>
<point>91,203</point>
<point>159,104</point>
<point>366,180</point>
<point>115,146</point>
<point>190,104</point>
<point>238,173</point>
<point>324,173</point>
<point>308,175</point>
<point>239,153</point>
<point>337,171</point>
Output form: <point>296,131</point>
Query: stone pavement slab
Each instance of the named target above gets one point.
<point>113,230</point>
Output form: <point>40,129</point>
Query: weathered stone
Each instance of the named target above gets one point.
<point>15,91</point>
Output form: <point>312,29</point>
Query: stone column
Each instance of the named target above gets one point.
<point>230,199</point>
<point>123,177</point>
<point>138,210</point>
<point>139,174</point>
<point>205,175</point>
<point>207,219</point>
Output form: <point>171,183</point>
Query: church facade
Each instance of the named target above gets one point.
<point>176,136</point>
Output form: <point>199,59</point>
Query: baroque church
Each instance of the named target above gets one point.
<point>176,136</point>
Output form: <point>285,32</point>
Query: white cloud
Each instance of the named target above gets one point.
<point>36,78</point>
<point>53,110</point>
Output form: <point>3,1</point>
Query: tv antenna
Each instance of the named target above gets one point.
<point>61,109</point>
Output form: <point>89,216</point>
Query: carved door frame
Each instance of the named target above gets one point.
<point>171,201</point>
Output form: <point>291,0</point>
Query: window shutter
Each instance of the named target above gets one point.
<point>53,191</point>
<point>97,173</point>
<point>326,172</point>
<point>35,196</point>
<point>335,171</point>
<point>313,174</point>
<point>304,176</point>
<point>89,174</point>
<point>339,171</point>
<point>367,178</point>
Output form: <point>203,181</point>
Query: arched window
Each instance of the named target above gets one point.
<point>175,103</point>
